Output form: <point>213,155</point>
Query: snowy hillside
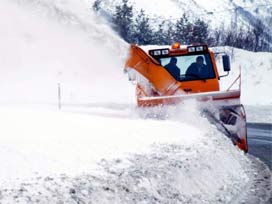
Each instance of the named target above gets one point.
<point>224,16</point>
<point>98,149</point>
<point>215,12</point>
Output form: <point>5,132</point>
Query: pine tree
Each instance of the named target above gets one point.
<point>183,30</point>
<point>170,34</point>
<point>122,20</point>
<point>258,31</point>
<point>160,36</point>
<point>218,36</point>
<point>248,40</point>
<point>142,33</point>
<point>229,39</point>
<point>200,32</point>
<point>96,5</point>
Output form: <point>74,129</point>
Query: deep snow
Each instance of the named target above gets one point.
<point>170,161</point>
<point>97,149</point>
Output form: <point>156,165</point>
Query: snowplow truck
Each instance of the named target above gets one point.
<point>170,75</point>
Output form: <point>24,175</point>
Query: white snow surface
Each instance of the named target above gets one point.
<point>97,149</point>
<point>121,158</point>
<point>256,71</point>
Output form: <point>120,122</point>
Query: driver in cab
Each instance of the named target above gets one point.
<point>198,68</point>
<point>172,68</point>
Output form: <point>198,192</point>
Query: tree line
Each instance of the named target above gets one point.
<point>140,30</point>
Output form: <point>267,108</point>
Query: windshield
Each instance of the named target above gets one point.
<point>189,67</point>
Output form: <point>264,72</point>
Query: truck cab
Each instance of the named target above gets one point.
<point>195,68</point>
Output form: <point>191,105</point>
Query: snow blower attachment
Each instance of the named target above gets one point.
<point>168,76</point>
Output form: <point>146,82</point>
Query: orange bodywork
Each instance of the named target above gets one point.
<point>164,84</point>
<point>152,70</point>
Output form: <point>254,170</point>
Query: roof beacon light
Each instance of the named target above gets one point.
<point>176,45</point>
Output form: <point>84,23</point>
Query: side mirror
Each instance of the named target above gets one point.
<point>226,63</point>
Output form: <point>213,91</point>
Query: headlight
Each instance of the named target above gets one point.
<point>165,52</point>
<point>191,49</point>
<point>199,48</point>
<point>157,52</point>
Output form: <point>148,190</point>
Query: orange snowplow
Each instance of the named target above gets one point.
<point>170,75</point>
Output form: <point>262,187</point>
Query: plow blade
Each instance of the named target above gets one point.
<point>219,97</point>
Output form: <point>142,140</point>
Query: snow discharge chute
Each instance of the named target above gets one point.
<point>168,76</point>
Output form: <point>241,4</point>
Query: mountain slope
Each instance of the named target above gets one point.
<point>223,15</point>
<point>215,12</point>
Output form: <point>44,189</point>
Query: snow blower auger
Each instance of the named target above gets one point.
<point>171,75</point>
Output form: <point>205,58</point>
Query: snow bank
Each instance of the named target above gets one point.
<point>256,69</point>
<point>60,156</point>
